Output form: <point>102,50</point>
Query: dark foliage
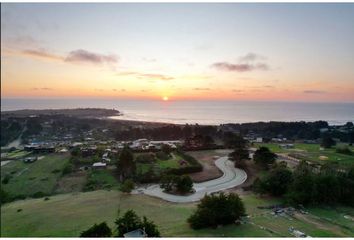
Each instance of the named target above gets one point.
<point>214,210</point>
<point>264,157</point>
<point>97,230</point>
<point>130,221</point>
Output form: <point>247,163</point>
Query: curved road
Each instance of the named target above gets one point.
<point>232,177</point>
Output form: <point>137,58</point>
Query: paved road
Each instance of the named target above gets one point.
<point>232,177</point>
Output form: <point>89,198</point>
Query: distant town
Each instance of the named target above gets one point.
<point>51,159</point>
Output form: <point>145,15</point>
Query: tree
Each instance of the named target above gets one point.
<point>217,209</point>
<point>125,165</point>
<point>127,186</point>
<point>303,188</point>
<point>168,182</point>
<point>181,184</point>
<point>75,151</point>
<point>328,142</point>
<point>238,156</point>
<point>150,228</point>
<point>264,157</point>
<point>165,148</point>
<point>276,182</point>
<point>184,184</point>
<point>100,230</point>
<point>232,140</point>
<point>130,221</point>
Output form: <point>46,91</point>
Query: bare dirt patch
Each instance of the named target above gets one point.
<point>73,182</point>
<point>207,159</point>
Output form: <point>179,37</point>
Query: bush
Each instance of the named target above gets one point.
<point>162,155</point>
<point>146,158</point>
<point>184,184</point>
<point>4,196</point>
<point>174,183</point>
<point>100,230</point>
<point>214,210</point>
<point>68,168</point>
<point>127,186</point>
<point>344,150</point>
<point>276,182</point>
<point>39,194</point>
<point>6,179</point>
<point>264,157</point>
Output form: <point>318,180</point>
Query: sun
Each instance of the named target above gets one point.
<point>165,98</point>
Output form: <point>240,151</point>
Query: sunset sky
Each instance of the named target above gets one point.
<point>280,52</point>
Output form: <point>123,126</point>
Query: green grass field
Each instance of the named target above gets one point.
<point>312,152</point>
<point>101,179</point>
<point>68,214</point>
<point>172,162</point>
<point>29,178</point>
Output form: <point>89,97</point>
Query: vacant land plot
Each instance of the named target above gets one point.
<point>73,182</point>
<point>101,179</point>
<point>69,214</point>
<point>313,152</point>
<point>27,179</point>
<point>207,159</point>
<point>160,165</point>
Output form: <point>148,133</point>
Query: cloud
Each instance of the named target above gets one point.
<point>150,76</point>
<point>155,76</point>
<point>237,90</point>
<point>201,89</point>
<point>43,88</point>
<point>314,92</point>
<point>41,53</point>
<point>82,55</point>
<point>250,57</point>
<point>247,63</point>
<point>225,66</point>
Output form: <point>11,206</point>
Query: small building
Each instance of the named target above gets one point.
<point>99,165</point>
<point>30,159</point>
<point>64,150</point>
<point>138,233</point>
<point>259,140</point>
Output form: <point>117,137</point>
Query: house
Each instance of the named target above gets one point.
<point>88,151</point>
<point>99,165</point>
<point>64,150</point>
<point>138,233</point>
<point>259,140</point>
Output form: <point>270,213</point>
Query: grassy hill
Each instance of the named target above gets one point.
<point>66,215</point>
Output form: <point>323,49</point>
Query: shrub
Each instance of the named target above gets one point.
<point>344,150</point>
<point>217,209</point>
<point>146,158</point>
<point>100,230</point>
<point>68,168</point>
<point>127,186</point>
<point>6,179</point>
<point>39,194</point>
<point>162,155</point>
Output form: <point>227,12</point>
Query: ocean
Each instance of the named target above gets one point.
<point>201,112</point>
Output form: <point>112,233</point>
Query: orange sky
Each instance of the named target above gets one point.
<point>51,51</point>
